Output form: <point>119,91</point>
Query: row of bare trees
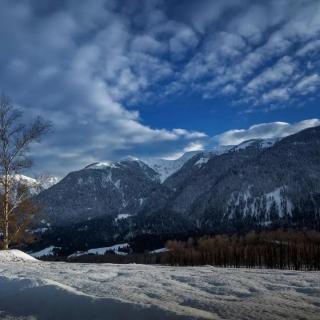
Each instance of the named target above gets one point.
<point>298,250</point>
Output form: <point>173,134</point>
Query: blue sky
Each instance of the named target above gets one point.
<point>158,77</point>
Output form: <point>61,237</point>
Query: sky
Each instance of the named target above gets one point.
<point>156,78</point>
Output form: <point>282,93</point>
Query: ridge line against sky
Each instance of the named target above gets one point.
<point>159,77</point>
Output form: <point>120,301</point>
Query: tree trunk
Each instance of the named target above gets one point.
<point>6,235</point>
<point>6,214</point>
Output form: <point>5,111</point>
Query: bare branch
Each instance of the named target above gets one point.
<point>15,140</point>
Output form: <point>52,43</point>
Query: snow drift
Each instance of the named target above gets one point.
<point>48,291</point>
<point>15,256</point>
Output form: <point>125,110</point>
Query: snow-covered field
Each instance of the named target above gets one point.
<point>30,289</point>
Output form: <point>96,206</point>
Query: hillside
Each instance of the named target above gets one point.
<point>256,185</point>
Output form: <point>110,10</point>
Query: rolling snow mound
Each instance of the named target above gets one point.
<point>15,256</point>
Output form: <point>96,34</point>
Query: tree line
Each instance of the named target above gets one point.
<point>298,250</point>
<point>295,250</point>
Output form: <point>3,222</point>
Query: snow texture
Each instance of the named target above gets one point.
<point>14,256</point>
<point>48,290</point>
<point>165,168</point>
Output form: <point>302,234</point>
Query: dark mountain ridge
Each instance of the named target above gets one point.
<point>256,185</point>
<point>265,184</point>
<point>95,191</point>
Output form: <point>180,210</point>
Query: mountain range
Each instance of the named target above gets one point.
<point>257,184</point>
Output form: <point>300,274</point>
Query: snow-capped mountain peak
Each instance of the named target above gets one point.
<point>101,165</point>
<point>112,164</point>
<point>215,151</point>
<point>34,185</point>
<point>166,168</point>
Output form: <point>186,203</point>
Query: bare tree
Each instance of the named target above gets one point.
<point>16,137</point>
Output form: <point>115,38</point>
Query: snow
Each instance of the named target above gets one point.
<point>267,143</point>
<point>122,216</point>
<point>15,256</point>
<point>165,168</point>
<point>44,252</point>
<point>214,152</point>
<point>218,150</point>
<point>111,164</point>
<point>130,158</point>
<point>101,165</point>
<point>104,165</point>
<point>141,201</point>
<point>159,250</point>
<point>280,201</point>
<point>25,179</point>
<point>101,251</point>
<point>201,161</point>
<point>40,230</point>
<point>250,203</point>
<point>261,143</point>
<point>109,291</point>
<point>35,185</point>
<point>245,145</point>
<point>49,182</point>
<point>117,184</point>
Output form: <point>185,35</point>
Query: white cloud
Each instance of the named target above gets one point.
<point>264,131</point>
<point>189,134</point>
<point>98,62</point>
<point>91,65</point>
<point>308,84</point>
<point>252,24</point>
<point>310,48</point>
<point>183,39</point>
<point>279,72</point>
<point>208,12</point>
<point>275,95</point>
<point>148,44</point>
<point>194,146</point>
<point>259,54</point>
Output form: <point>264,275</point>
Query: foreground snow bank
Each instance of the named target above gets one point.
<point>15,256</point>
<point>55,290</point>
<point>46,301</point>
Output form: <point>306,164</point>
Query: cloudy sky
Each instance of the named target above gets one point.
<point>159,77</point>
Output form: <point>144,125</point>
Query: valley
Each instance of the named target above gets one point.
<point>258,185</point>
